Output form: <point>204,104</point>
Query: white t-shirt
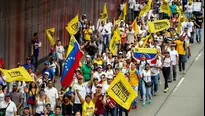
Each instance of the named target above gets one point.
<point>189,8</point>
<point>105,87</point>
<point>109,73</point>
<point>11,109</point>
<point>97,75</point>
<point>173,55</point>
<point>142,65</point>
<point>131,4</point>
<point>1,97</point>
<point>166,62</point>
<point>155,70</point>
<point>60,51</point>
<point>121,7</point>
<point>82,91</point>
<point>190,26</point>
<point>52,94</point>
<point>102,29</point>
<point>147,75</point>
<point>159,39</point>
<point>183,25</point>
<point>136,7</point>
<point>186,37</point>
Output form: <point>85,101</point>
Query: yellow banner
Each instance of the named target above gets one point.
<point>17,74</point>
<point>165,8</point>
<point>123,14</point>
<point>72,26</point>
<point>49,33</point>
<point>104,15</point>
<point>135,26</point>
<point>158,25</point>
<point>113,41</point>
<point>121,91</point>
<point>146,39</point>
<point>146,8</point>
<point>179,23</point>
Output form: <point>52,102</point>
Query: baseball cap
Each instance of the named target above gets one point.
<point>108,63</point>
<point>87,95</point>
<point>46,73</point>
<point>99,66</point>
<point>99,85</point>
<point>48,103</point>
<point>102,75</point>
<point>120,53</point>
<point>26,107</point>
<point>87,56</point>
<point>79,77</point>
<point>109,77</point>
<point>28,58</point>
<point>7,95</point>
<point>14,84</point>
<point>173,45</point>
<point>47,63</point>
<point>95,78</point>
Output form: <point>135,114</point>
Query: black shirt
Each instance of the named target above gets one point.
<point>199,22</point>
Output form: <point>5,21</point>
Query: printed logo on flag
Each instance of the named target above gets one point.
<point>74,26</point>
<point>15,74</point>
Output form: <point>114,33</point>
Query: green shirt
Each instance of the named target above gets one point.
<point>55,115</point>
<point>86,72</point>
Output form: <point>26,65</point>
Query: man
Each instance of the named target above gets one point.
<point>26,111</point>
<point>134,81</point>
<point>198,24</point>
<point>98,73</point>
<point>17,98</point>
<point>174,58</point>
<point>181,49</point>
<point>81,87</point>
<point>52,94</point>
<point>28,64</point>
<point>47,110</point>
<point>57,112</point>
<point>131,35</point>
<point>50,71</point>
<point>60,54</point>
<point>86,70</point>
<point>35,49</point>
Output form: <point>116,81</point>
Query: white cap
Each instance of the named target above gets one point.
<point>47,73</point>
<point>87,56</point>
<point>99,85</point>
<point>110,77</point>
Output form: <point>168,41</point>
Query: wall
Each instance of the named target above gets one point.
<point>19,19</point>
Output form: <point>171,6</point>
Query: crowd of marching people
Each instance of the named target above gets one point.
<point>87,94</point>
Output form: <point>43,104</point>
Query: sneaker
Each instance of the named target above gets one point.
<point>160,82</point>
<point>155,93</point>
<point>169,80</point>
<point>174,79</point>
<point>141,99</point>
<point>150,101</point>
<point>184,72</point>
<point>165,90</point>
<point>144,104</point>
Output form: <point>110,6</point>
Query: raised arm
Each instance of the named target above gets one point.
<point>80,97</point>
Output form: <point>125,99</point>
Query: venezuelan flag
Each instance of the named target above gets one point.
<point>149,53</point>
<point>74,55</point>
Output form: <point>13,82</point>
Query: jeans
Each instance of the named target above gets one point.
<point>140,87</point>
<point>35,62</point>
<point>108,40</point>
<point>99,115</point>
<point>113,111</point>
<point>121,109</point>
<point>61,66</point>
<point>155,83</point>
<point>130,14</point>
<point>134,103</point>
<point>182,60</point>
<point>166,73</point>
<point>188,15</point>
<point>192,37</point>
<point>105,41</point>
<point>198,34</point>
<point>174,71</point>
<point>146,92</point>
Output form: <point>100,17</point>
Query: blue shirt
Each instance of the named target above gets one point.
<point>35,47</point>
<point>26,66</point>
<point>50,71</point>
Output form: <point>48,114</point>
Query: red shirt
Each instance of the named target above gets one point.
<point>99,108</point>
<point>1,63</point>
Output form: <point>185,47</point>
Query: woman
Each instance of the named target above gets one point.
<point>11,109</point>
<point>147,84</point>
<point>41,101</point>
<point>166,64</point>
<point>88,104</point>
<point>67,105</point>
<point>109,71</point>
<point>1,93</point>
<point>31,93</point>
<point>30,71</point>
<point>98,60</point>
<point>87,33</point>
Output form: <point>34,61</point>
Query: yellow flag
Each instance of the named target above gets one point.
<point>135,26</point>
<point>159,25</point>
<point>70,46</point>
<point>146,8</point>
<point>72,26</point>
<point>17,74</point>
<point>124,13</point>
<point>147,38</point>
<point>49,33</point>
<point>113,41</point>
<point>165,8</point>
<point>104,15</point>
<point>121,91</point>
<point>179,23</point>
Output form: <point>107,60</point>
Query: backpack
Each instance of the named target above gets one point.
<point>140,64</point>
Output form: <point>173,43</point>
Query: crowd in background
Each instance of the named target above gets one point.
<point>87,95</point>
